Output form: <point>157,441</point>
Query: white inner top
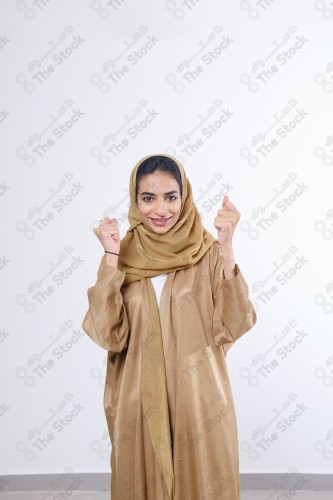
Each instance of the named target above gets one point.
<point>158,283</point>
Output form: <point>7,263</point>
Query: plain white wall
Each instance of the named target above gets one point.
<point>71,132</point>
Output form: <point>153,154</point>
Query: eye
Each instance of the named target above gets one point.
<point>149,197</point>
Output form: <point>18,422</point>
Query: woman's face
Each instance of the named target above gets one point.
<point>159,201</point>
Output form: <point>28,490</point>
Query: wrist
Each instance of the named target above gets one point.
<point>111,260</point>
<point>226,247</point>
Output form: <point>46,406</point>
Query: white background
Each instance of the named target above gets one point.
<point>59,67</point>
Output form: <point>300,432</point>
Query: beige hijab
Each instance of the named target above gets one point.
<point>143,254</point>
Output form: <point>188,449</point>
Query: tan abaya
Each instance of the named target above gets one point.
<point>201,314</point>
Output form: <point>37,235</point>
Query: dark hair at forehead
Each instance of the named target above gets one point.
<point>160,163</point>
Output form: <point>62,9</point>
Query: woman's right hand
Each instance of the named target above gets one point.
<point>108,234</point>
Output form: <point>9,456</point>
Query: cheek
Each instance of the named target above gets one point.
<point>143,209</point>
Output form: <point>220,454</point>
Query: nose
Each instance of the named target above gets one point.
<point>160,209</point>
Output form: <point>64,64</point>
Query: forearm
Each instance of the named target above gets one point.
<point>231,297</point>
<point>228,262</point>
<point>106,320</point>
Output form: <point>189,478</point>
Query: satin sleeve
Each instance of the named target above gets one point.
<point>234,313</point>
<point>106,321</point>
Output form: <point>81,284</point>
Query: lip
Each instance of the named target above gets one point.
<point>160,222</point>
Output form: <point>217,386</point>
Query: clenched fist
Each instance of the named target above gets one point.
<point>225,222</point>
<point>108,234</point>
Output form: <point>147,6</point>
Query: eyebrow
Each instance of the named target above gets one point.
<point>152,194</point>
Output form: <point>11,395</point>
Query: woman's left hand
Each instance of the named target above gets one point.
<point>225,222</point>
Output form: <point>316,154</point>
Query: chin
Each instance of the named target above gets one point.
<point>160,230</point>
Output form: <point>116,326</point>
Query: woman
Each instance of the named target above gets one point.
<point>168,400</point>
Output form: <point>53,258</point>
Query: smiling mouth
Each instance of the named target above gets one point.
<point>160,220</point>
